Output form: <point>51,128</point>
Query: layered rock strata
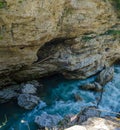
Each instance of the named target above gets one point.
<point>75,38</point>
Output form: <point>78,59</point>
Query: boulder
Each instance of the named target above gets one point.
<point>79,118</point>
<point>76,127</point>
<point>101,124</point>
<point>105,76</point>
<point>96,123</point>
<point>77,97</point>
<point>87,113</point>
<point>35,83</point>
<point>47,120</point>
<point>28,101</point>
<point>6,95</point>
<point>29,89</point>
<point>92,86</point>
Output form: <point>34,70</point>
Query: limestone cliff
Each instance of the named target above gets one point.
<point>39,37</point>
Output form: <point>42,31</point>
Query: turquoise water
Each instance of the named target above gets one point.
<point>58,99</point>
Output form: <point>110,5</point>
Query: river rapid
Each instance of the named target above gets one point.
<point>58,98</point>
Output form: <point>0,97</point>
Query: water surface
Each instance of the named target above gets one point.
<point>58,99</point>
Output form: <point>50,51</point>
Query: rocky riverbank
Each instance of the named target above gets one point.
<point>63,103</point>
<point>77,39</point>
<point>27,93</point>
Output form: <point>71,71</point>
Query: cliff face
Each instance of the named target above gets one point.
<point>76,38</point>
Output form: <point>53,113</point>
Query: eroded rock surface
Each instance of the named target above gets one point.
<point>28,101</point>
<point>74,37</point>
<point>97,124</point>
<point>106,75</point>
<point>79,118</point>
<point>47,120</point>
<point>8,94</point>
<point>92,86</point>
<point>29,89</point>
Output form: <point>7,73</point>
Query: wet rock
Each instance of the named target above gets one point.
<point>92,86</point>
<point>47,120</point>
<point>77,97</point>
<point>105,76</point>
<point>6,95</point>
<point>98,87</point>
<point>79,118</point>
<point>29,89</point>
<point>88,86</point>
<point>35,83</point>
<point>68,121</point>
<point>87,113</point>
<point>118,115</point>
<point>28,101</point>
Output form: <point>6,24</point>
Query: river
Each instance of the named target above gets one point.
<point>58,99</point>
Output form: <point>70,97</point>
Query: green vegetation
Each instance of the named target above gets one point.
<point>68,11</point>
<point>113,32</point>
<point>116,4</point>
<point>2,4</point>
<point>1,37</point>
<point>87,38</point>
<point>20,1</point>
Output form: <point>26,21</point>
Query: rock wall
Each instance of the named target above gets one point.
<point>76,38</point>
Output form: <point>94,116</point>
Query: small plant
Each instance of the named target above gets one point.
<point>20,1</point>
<point>68,11</point>
<point>116,4</point>
<point>113,32</point>
<point>2,4</point>
<point>1,37</point>
<point>86,38</point>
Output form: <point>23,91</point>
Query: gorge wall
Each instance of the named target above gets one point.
<point>76,38</point>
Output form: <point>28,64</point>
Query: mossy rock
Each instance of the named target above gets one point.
<point>3,4</point>
<point>116,4</point>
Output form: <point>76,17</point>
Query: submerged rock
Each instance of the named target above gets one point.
<point>92,86</point>
<point>105,76</point>
<point>77,97</point>
<point>47,120</point>
<point>28,101</point>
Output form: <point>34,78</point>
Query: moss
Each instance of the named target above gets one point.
<point>86,38</point>
<point>1,37</point>
<point>2,4</point>
<point>68,11</point>
<point>116,4</point>
<point>113,32</point>
<point>20,1</point>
